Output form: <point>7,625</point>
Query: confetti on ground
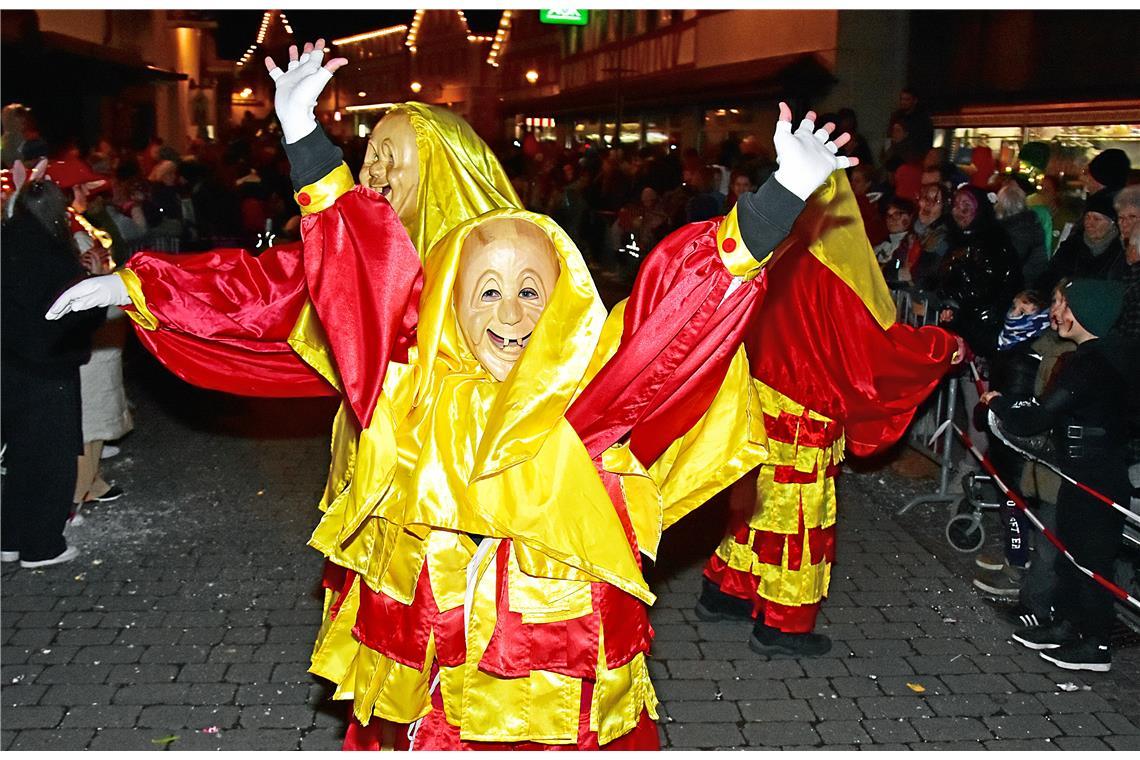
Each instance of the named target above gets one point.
<point>210,730</point>
<point>165,740</point>
<point>917,688</point>
<point>1067,686</point>
<point>261,492</point>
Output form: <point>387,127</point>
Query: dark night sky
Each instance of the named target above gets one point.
<point>238,29</point>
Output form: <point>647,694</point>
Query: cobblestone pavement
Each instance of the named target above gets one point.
<point>188,621</point>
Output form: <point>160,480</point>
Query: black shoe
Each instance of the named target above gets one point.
<point>715,605</point>
<point>1050,636</point>
<point>1023,617</point>
<point>1082,654</point>
<point>113,493</point>
<point>772,641</point>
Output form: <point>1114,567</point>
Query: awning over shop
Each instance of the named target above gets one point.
<point>797,76</point>
<point>1042,114</point>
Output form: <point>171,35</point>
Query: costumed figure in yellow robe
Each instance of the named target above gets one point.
<point>507,451</point>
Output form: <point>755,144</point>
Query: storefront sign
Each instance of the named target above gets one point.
<point>564,16</point>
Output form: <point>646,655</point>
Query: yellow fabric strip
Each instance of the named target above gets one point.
<point>319,195</point>
<point>140,314</point>
<point>733,252</point>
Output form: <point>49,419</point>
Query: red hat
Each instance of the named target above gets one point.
<point>71,172</point>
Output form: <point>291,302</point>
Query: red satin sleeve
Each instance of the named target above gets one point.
<point>224,318</point>
<point>364,278</point>
<point>814,341</point>
<point>679,336</point>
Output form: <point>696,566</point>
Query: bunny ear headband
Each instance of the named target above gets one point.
<point>20,177</point>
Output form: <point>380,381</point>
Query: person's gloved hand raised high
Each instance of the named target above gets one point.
<point>92,293</point>
<point>807,156</point>
<point>299,86</point>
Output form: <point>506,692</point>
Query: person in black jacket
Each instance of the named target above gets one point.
<point>40,405</point>
<point>980,275</point>
<point>1085,412</point>
<point>1095,251</point>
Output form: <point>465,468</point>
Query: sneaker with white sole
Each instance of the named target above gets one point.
<point>1005,583</point>
<point>1052,636</point>
<point>1082,654</point>
<point>66,555</point>
<point>12,556</point>
<point>990,561</point>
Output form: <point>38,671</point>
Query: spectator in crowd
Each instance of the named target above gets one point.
<point>892,253</point>
<point>931,231</point>
<point>40,400</point>
<point>1094,251</point>
<point>1127,205</point>
<point>739,184</point>
<point>1023,229</point>
<point>1013,371</point>
<point>709,201</point>
<point>915,121</point>
<point>980,274</point>
<point>982,167</point>
<point>1085,411</point>
<point>1107,172</point>
<point>18,128</point>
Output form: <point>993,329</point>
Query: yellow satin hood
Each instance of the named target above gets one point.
<point>460,178</point>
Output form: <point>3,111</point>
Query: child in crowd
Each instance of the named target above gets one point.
<point>1085,412</point>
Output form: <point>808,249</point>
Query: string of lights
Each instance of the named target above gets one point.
<point>262,31</point>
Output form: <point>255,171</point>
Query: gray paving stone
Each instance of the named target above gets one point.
<point>119,739</point>
<point>1022,727</point>
<point>777,710</point>
<point>179,655</point>
<point>963,705</point>
<point>1019,704</point>
<point>84,637</point>
<point>675,650</point>
<point>978,684</point>
<point>680,690</point>
<point>806,688</point>
<point>74,674</point>
<point>716,711</point>
<point>1130,743</point>
<point>827,708</point>
<point>146,637</point>
<point>293,672</point>
<point>56,654</point>
<point>276,716</point>
<point>824,668</point>
<point>1074,702</point>
<point>208,636</point>
<point>1079,743</point>
<point>1021,745</point>
<point>134,674</point>
<point>210,693</point>
<point>36,638</point>
<point>1078,724</point>
<point>904,685</point>
<point>782,734</point>
<point>942,664</point>
<point>101,716</point>
<point>273,694</point>
<point>701,669</point>
<point>703,736</point>
<point>776,668</point>
<point>202,672</point>
<point>328,741</point>
<point>950,729</point>
<point>894,707</point>
<point>152,694</point>
<point>837,732</point>
<point>856,686</point>
<point>1117,724</point>
<point>890,731</point>
<point>97,655</point>
<point>878,666</point>
<point>33,716</point>
<point>57,740</point>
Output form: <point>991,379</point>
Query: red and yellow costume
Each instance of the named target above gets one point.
<point>833,371</point>
<point>483,537</point>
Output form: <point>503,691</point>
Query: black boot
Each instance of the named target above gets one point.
<point>715,605</point>
<point>772,641</point>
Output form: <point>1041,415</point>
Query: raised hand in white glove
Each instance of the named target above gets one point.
<point>807,157</point>
<point>299,86</point>
<point>92,293</point>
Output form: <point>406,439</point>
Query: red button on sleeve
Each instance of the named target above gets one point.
<point>729,245</point>
<point>304,199</point>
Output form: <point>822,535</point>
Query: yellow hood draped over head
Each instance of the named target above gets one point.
<point>460,178</point>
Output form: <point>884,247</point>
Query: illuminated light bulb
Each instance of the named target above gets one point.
<point>416,87</point>
<point>532,76</point>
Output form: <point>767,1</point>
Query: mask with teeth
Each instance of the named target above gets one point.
<point>391,164</point>
<point>507,271</point>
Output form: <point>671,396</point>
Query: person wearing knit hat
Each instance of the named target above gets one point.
<point>1094,250</point>
<point>1108,169</point>
<point>1086,410</point>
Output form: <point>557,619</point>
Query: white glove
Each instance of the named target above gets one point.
<point>807,157</point>
<point>92,293</point>
<point>299,87</point>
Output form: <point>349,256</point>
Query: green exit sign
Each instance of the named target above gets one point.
<point>564,16</point>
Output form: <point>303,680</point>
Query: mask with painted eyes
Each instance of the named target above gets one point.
<point>507,272</point>
<point>391,164</point>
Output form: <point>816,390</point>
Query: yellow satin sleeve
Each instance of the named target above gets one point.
<point>140,314</point>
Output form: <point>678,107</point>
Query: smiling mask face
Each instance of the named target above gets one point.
<point>392,164</point>
<point>507,271</point>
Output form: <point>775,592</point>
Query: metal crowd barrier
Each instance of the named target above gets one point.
<point>913,307</point>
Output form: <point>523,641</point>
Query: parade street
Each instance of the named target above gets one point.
<point>188,620</point>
